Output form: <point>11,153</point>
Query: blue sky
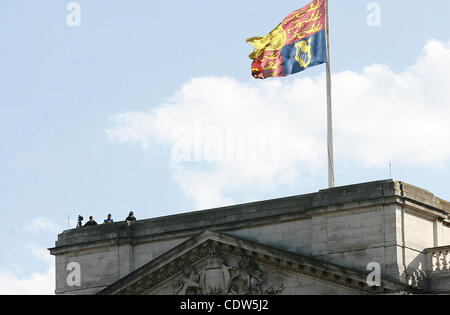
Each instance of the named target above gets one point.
<point>71,98</point>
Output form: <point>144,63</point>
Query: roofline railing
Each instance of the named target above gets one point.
<point>438,259</point>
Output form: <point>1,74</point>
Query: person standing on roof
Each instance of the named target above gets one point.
<point>130,219</point>
<point>91,221</point>
<point>109,219</point>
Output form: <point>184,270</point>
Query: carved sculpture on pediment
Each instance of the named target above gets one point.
<point>246,279</point>
<point>189,284</point>
<point>218,278</point>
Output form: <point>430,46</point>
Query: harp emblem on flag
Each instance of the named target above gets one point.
<point>303,53</point>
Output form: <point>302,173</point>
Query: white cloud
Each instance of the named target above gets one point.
<point>14,282</point>
<point>42,225</point>
<point>379,115</point>
<point>36,283</point>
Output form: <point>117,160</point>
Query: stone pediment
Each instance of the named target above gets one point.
<point>216,263</point>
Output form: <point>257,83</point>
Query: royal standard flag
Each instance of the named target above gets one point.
<point>297,43</point>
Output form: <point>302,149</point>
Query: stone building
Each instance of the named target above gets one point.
<point>320,243</point>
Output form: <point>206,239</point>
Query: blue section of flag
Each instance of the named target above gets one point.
<point>310,52</point>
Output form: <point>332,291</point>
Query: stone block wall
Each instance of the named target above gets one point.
<point>387,222</point>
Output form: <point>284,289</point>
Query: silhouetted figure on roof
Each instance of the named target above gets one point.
<point>130,219</point>
<point>91,221</point>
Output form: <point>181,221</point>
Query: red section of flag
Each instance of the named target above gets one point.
<point>257,70</point>
<point>305,22</point>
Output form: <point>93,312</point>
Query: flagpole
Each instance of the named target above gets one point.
<point>329,107</point>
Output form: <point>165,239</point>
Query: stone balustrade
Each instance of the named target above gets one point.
<point>438,259</point>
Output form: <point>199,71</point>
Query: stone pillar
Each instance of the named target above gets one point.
<point>438,233</point>
<point>125,259</point>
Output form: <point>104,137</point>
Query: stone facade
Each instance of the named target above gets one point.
<point>388,222</point>
<point>216,263</point>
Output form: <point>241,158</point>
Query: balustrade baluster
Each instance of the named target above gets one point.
<point>434,261</point>
<point>447,260</point>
